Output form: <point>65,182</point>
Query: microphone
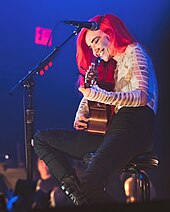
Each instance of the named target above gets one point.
<point>93,25</point>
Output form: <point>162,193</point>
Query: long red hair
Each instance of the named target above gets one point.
<point>119,36</point>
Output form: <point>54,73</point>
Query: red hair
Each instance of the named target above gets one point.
<point>119,36</point>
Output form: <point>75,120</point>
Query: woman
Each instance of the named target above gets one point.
<point>126,81</point>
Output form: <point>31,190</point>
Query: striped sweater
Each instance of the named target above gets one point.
<point>133,76</point>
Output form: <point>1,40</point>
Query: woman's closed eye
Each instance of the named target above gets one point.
<point>95,40</point>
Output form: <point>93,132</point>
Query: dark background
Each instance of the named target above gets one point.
<point>55,94</point>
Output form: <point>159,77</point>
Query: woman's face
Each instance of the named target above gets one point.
<point>99,43</point>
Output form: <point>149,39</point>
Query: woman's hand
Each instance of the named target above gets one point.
<point>81,123</point>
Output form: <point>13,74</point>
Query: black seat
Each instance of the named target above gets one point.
<point>137,166</point>
<point>144,161</point>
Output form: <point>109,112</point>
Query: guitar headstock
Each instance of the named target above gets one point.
<point>91,75</point>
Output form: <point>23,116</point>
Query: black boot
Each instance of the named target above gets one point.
<point>71,187</point>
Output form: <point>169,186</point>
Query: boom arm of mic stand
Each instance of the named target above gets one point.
<point>29,113</point>
<point>43,63</point>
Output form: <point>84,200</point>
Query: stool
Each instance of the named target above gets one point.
<point>137,166</point>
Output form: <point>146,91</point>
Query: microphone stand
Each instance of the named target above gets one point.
<point>29,113</point>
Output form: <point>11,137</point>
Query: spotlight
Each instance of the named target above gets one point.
<point>4,156</point>
<point>7,157</point>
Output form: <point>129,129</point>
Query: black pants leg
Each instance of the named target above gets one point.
<point>130,134</point>
<point>55,147</point>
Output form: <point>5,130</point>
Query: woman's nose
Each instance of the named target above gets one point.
<point>96,51</point>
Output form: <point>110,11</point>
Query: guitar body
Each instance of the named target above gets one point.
<point>98,118</point>
<point>99,114</point>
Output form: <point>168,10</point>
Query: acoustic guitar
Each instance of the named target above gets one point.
<point>99,113</point>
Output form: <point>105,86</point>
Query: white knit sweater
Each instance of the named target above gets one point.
<point>134,74</point>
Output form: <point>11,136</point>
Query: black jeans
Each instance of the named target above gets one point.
<point>129,134</point>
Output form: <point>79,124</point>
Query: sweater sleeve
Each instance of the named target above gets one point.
<point>131,98</point>
<point>83,109</point>
<point>138,65</point>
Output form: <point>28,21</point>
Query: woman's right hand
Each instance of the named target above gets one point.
<point>81,123</point>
